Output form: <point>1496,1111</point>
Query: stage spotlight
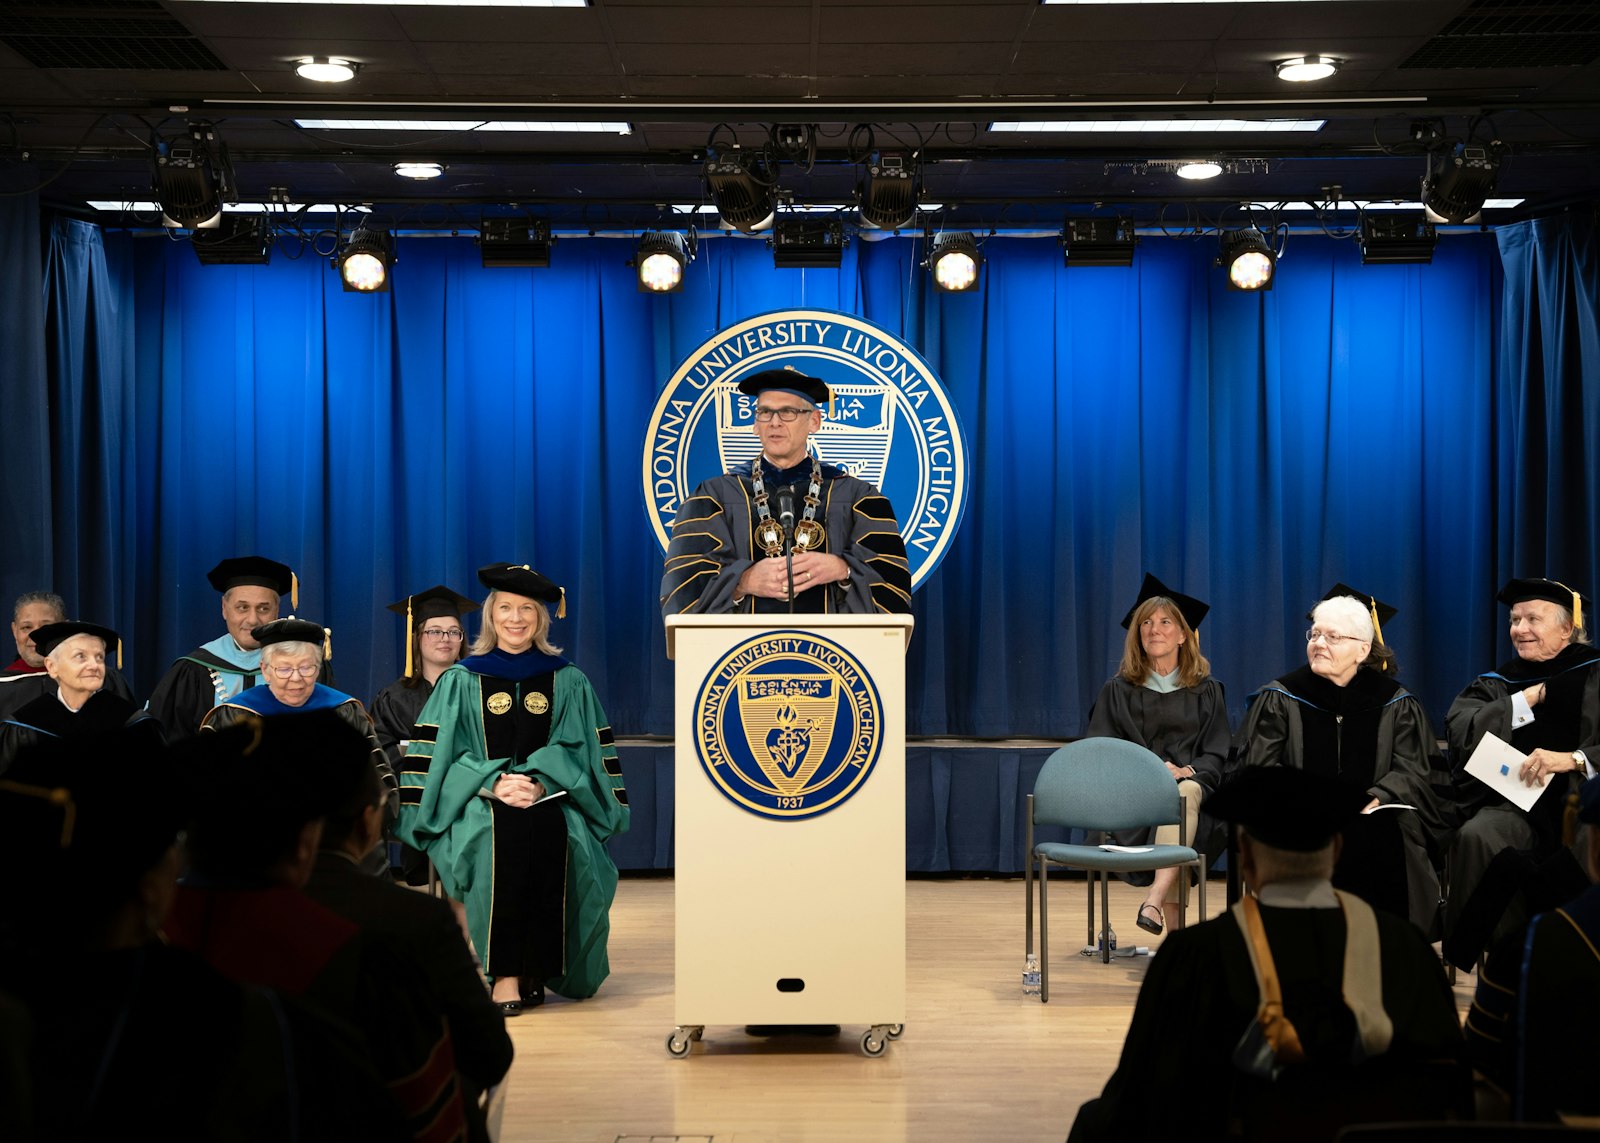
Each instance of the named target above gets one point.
<point>741,186</point>
<point>1396,238</point>
<point>798,244</point>
<point>1248,258</point>
<point>187,183</point>
<point>661,258</point>
<point>1098,241</point>
<point>240,240</point>
<point>364,261</point>
<point>889,190</point>
<point>1458,181</point>
<point>954,261</point>
<point>514,242</point>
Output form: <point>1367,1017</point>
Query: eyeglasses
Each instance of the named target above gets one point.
<point>308,672</point>
<point>787,416</point>
<point>443,632</point>
<point>1331,638</point>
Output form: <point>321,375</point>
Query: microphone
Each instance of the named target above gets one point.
<point>786,518</point>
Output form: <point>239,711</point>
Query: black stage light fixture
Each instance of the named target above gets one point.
<point>1248,258</point>
<point>1458,182</point>
<point>514,242</point>
<point>661,259</point>
<point>954,261</point>
<point>1098,241</point>
<point>188,183</point>
<point>240,240</point>
<point>741,186</point>
<point>888,192</point>
<point>365,260</point>
<point>799,243</point>
<point>1396,238</point>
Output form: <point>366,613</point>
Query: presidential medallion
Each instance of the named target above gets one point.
<point>536,703</point>
<point>498,703</point>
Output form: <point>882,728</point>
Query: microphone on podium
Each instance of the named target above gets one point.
<point>786,518</point>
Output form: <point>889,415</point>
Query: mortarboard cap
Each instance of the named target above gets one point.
<point>435,602</point>
<point>50,636</point>
<point>293,630</point>
<point>1380,611</point>
<point>1194,610</point>
<point>1288,808</point>
<point>520,579</point>
<point>1589,802</point>
<point>787,380</point>
<point>1521,590</point>
<point>256,571</point>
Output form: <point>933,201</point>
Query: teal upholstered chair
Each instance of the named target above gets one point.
<point>1099,784</point>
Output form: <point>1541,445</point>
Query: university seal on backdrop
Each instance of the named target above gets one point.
<point>892,422</point>
<point>788,725</point>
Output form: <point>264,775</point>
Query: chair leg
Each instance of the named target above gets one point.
<point>1088,883</point>
<point>1044,930</point>
<point>1105,918</point>
<point>1027,879</point>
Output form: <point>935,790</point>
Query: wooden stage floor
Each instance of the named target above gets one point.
<point>977,1061</point>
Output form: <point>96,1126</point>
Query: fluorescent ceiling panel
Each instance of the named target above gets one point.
<point>1159,126</point>
<point>529,125</point>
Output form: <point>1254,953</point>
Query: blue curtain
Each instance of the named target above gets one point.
<point>1383,425</point>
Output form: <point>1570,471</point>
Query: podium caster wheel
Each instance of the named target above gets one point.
<point>682,1037</point>
<point>895,1031</point>
<point>872,1044</point>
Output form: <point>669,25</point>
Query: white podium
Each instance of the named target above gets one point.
<point>790,825</point>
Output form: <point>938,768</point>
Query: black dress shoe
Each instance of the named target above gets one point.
<point>509,1008</point>
<point>532,995</point>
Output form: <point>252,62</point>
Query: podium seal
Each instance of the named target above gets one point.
<point>788,725</point>
<point>891,422</point>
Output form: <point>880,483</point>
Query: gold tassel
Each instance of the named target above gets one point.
<point>119,653</point>
<point>294,592</point>
<point>411,636</point>
<point>561,608</point>
<point>327,644</point>
<point>1577,605</point>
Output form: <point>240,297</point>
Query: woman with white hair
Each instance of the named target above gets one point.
<point>1344,714</point>
<point>74,656</point>
<point>512,786</point>
<point>291,661</point>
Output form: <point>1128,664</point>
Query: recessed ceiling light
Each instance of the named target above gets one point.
<point>419,170</point>
<point>1305,69</point>
<point>1157,126</point>
<point>1205,170</point>
<point>432,125</point>
<point>325,69</point>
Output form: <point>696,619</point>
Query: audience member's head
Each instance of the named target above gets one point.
<point>91,836</point>
<point>291,658</point>
<point>1288,821</point>
<point>33,610</point>
<point>356,798</point>
<point>262,788</point>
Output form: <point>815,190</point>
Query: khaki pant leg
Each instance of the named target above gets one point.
<point>1190,792</point>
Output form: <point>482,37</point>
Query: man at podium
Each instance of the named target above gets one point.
<point>786,533</point>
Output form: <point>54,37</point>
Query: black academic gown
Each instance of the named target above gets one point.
<point>1484,906</point>
<point>1200,995</point>
<point>713,542</point>
<point>1372,733</point>
<point>47,717</point>
<point>427,946</point>
<point>394,715</point>
<point>1186,727</point>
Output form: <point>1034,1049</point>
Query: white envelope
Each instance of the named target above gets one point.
<point>1495,763</point>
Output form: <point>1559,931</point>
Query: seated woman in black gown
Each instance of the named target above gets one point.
<point>75,660</point>
<point>1164,698</point>
<point>1345,715</point>
<point>435,640</point>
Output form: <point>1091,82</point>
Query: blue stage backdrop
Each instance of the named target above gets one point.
<point>1379,425</point>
